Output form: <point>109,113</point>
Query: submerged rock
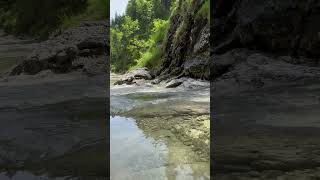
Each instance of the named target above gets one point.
<point>188,121</point>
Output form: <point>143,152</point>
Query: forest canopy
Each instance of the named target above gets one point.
<point>136,36</point>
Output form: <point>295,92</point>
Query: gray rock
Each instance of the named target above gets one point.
<point>59,52</point>
<point>156,81</point>
<point>284,27</point>
<point>61,57</point>
<point>141,73</point>
<point>126,80</point>
<point>137,74</point>
<point>174,83</point>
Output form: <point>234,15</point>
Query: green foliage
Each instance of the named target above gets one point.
<point>40,17</point>
<point>125,45</point>
<point>152,57</point>
<point>137,36</point>
<point>159,31</point>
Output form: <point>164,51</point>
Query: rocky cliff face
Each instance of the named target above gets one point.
<point>285,27</point>
<point>187,42</point>
<point>258,41</point>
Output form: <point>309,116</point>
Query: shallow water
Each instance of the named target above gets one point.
<point>141,154</point>
<point>137,156</point>
<point>126,97</point>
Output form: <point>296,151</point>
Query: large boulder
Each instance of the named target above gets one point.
<point>137,74</point>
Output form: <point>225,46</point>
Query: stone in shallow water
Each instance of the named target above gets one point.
<point>174,83</point>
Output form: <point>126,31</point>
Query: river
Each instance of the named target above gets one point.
<point>143,145</point>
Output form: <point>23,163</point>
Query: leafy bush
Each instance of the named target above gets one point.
<point>152,57</point>
<point>143,46</point>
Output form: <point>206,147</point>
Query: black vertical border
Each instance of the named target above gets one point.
<point>107,51</point>
<point>212,119</point>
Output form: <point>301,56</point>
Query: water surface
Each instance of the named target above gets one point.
<point>143,154</point>
<point>136,156</point>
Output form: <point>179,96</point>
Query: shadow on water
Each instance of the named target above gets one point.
<point>138,154</point>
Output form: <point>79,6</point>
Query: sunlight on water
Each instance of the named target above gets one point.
<point>134,156</point>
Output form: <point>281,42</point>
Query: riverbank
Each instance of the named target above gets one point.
<point>54,107</point>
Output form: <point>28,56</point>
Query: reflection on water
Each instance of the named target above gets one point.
<point>158,156</point>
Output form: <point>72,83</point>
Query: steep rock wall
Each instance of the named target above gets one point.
<point>187,42</point>
<point>284,27</point>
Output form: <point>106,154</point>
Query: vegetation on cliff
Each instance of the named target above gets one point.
<point>140,37</point>
<point>136,36</point>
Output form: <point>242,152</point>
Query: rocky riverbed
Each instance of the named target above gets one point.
<point>53,106</point>
<point>176,121</point>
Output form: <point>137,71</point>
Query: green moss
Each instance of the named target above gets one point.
<point>204,11</point>
<point>180,33</point>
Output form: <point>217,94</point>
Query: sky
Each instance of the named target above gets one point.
<point>117,7</point>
